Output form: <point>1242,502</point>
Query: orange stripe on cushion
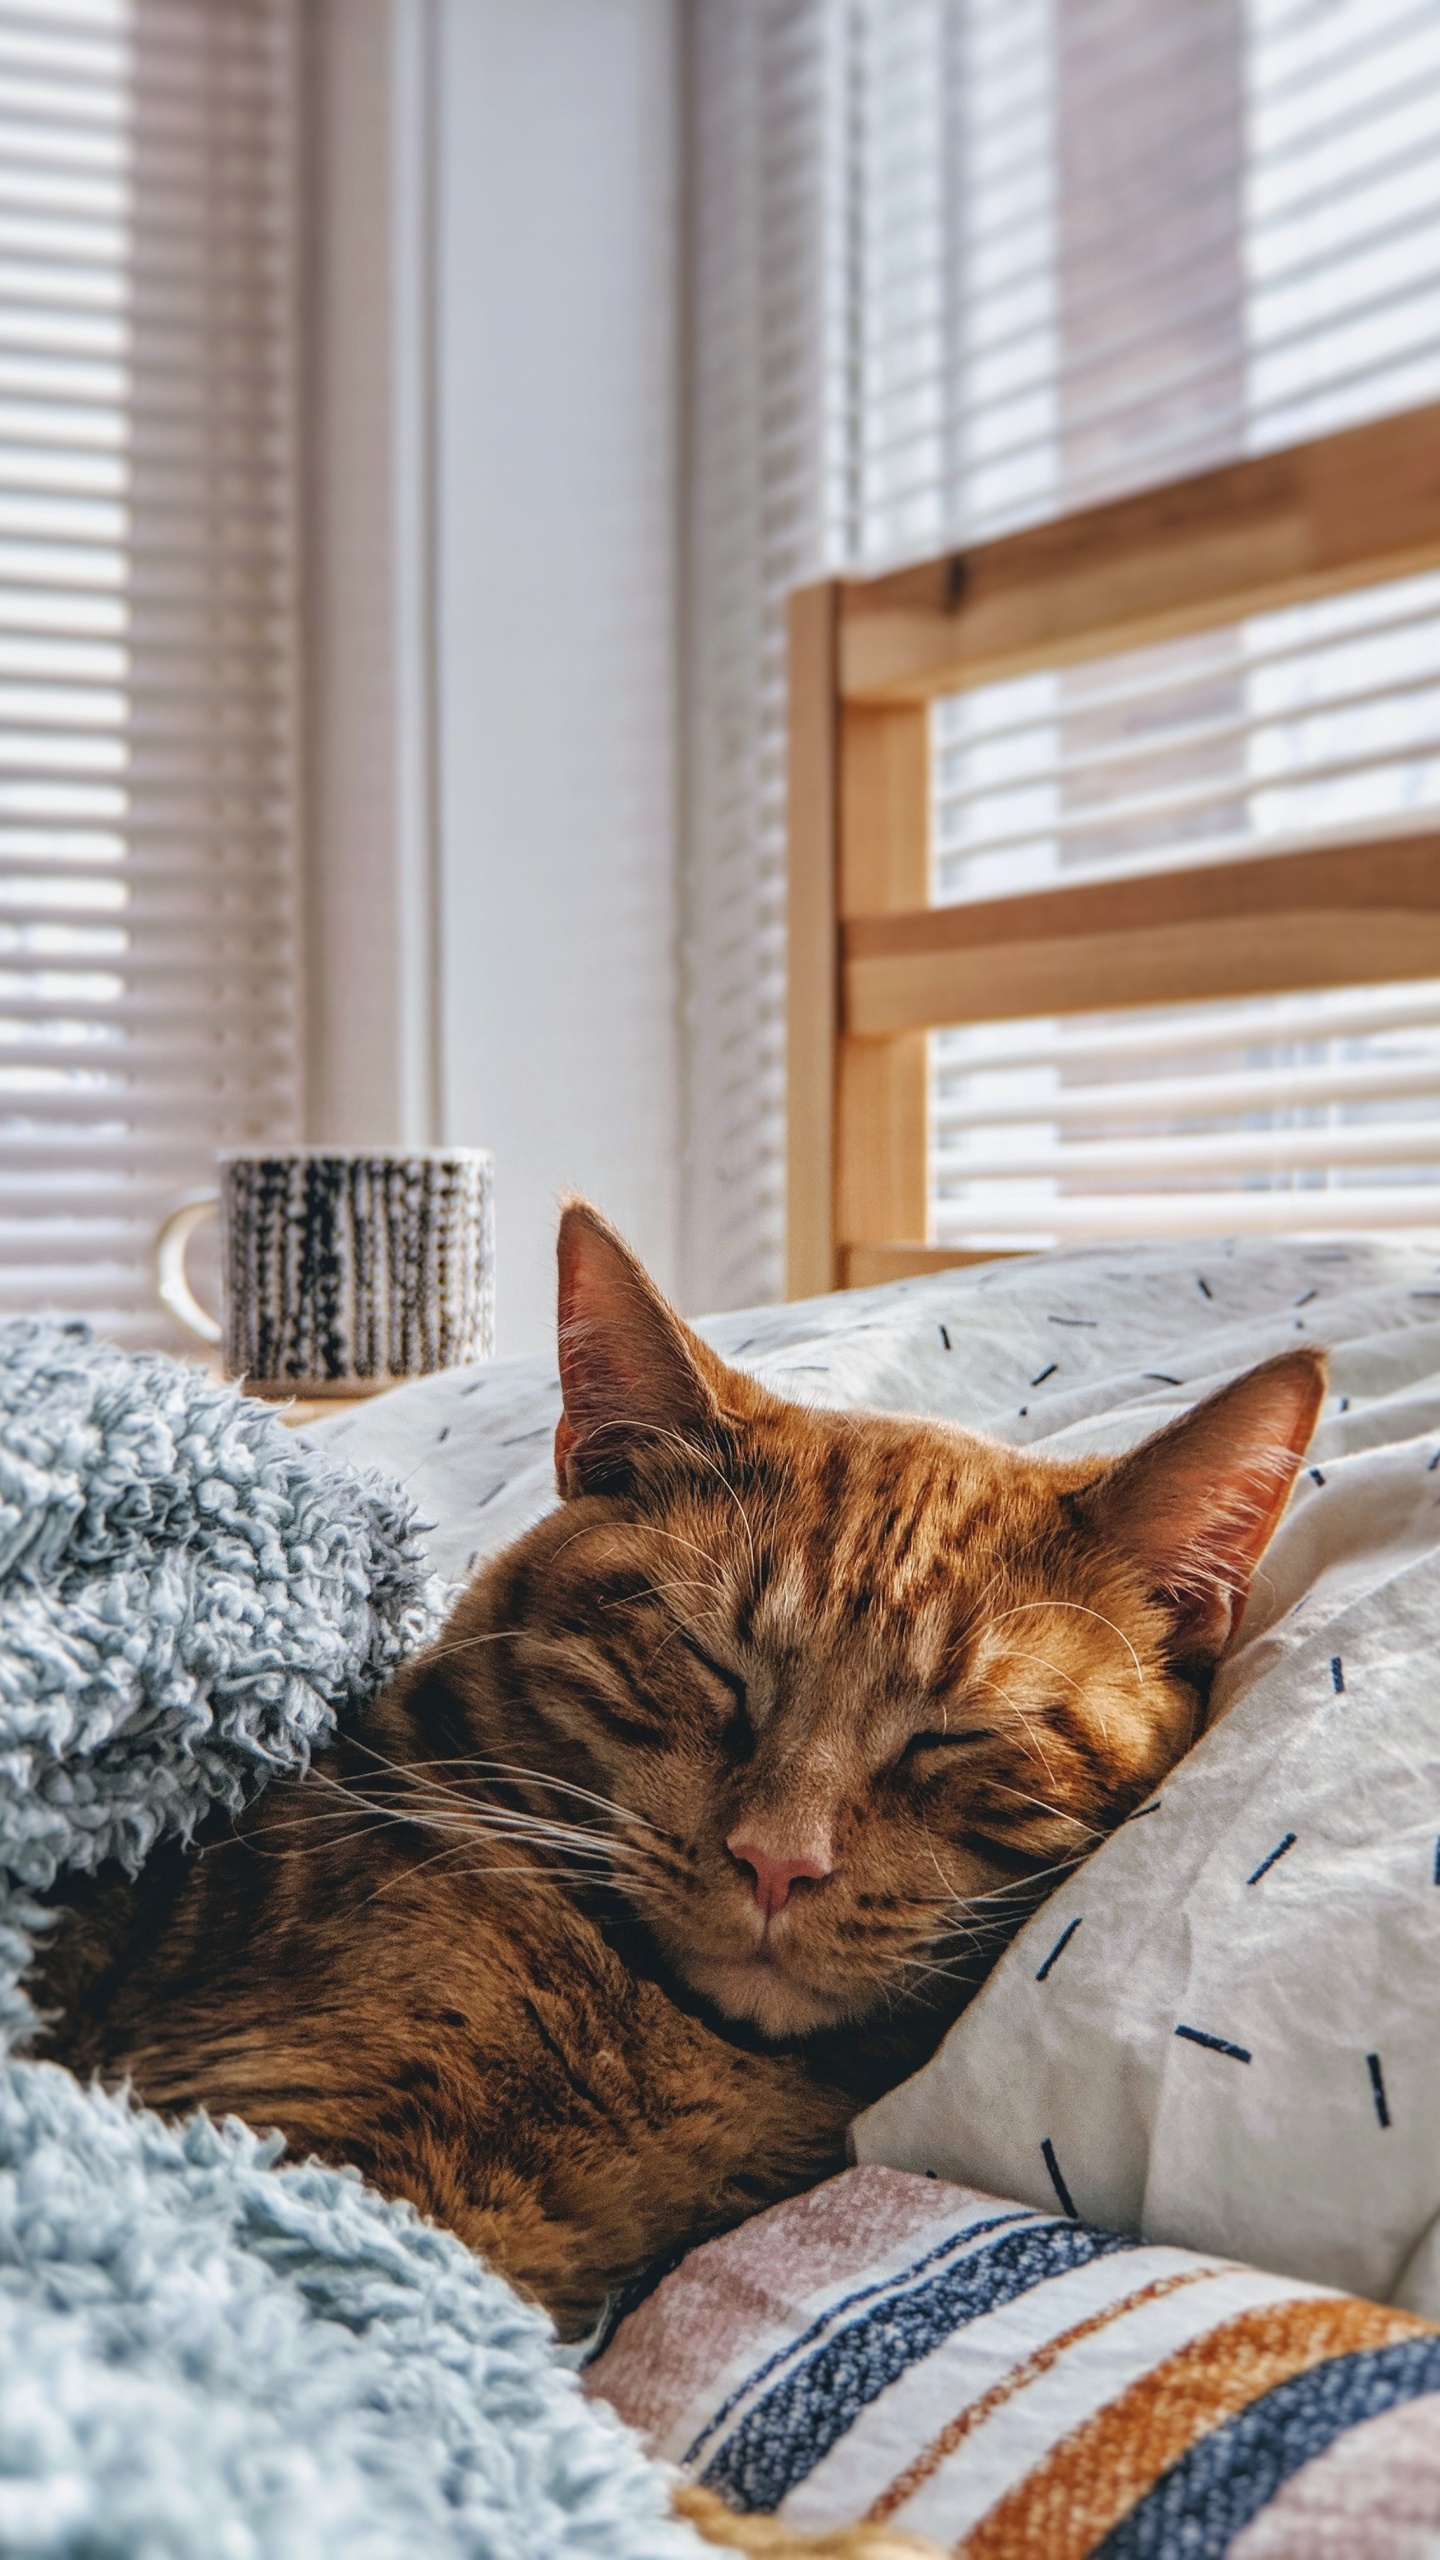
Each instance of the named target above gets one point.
<point>950,2438</point>
<point>1071,2500</point>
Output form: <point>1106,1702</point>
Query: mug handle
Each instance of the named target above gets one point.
<point>170,1279</point>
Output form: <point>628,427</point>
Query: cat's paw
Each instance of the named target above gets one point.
<point>768,2538</point>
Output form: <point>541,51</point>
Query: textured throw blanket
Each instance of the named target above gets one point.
<point>205,2353</point>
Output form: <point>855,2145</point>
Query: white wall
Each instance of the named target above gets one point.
<point>555,511</point>
<point>372,1023</point>
<point>492,559</point>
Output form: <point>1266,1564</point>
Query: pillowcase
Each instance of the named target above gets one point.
<point>1224,2029</point>
<point>1009,2381</point>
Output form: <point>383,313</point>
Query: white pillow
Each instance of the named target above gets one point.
<point>1224,2030</point>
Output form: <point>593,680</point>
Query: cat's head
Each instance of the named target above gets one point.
<point>857,1681</point>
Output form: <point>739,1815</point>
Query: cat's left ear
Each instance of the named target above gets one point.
<point>1196,1505</point>
<point>632,1375</point>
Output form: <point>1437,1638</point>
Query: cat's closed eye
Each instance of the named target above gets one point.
<point>948,1741</point>
<point>739,1731</point>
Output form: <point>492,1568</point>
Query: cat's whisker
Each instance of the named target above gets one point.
<point>934,1861</point>
<point>482,1822</point>
<point>455,1848</point>
<point>960,1913</point>
<point>466,1644</point>
<point>1016,1887</point>
<point>690,1450</point>
<point>255,1843</point>
<point>978,1939</point>
<point>936,1972</point>
<point>992,1688</point>
<point>432,1804</point>
<point>484,1873</point>
<point>1058,1671</point>
<point>1020,1897</point>
<point>666,1640</point>
<point>657,1591</point>
<point>1021,1607</point>
<point>408,1775</point>
<point>1056,1812</point>
<point>542,1777</point>
<point>953,1972</point>
<point>467,1837</point>
<point>403,1875</point>
<point>469,1875</point>
<point>673,1538</point>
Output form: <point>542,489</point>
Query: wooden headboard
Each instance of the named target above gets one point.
<point>874,967</point>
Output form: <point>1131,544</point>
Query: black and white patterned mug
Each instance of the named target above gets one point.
<point>341,1271</point>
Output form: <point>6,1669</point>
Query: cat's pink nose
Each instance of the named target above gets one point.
<point>775,1868</point>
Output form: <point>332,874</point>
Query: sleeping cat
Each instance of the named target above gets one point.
<point>715,1795</point>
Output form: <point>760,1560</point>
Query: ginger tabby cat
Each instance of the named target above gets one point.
<point>718,1792</point>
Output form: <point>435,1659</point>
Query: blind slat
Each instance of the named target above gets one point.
<point>1170,1160</point>
<point>1322,1210</point>
<point>1267,1089</point>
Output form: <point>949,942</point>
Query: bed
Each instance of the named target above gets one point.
<point>1028,2324</point>
<point>1148,2258</point>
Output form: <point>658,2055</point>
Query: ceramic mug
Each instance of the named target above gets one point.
<point>341,1271</point>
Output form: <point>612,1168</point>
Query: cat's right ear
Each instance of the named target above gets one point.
<point>1196,1505</point>
<point>631,1374</point>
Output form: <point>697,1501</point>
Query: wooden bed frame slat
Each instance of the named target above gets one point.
<point>864,1266</point>
<point>873,968</point>
<point>1280,922</point>
<point>1348,510</point>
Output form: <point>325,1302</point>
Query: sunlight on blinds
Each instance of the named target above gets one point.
<point>1341,213</point>
<point>1314,725</point>
<point>1096,244</point>
<point>1303,726</point>
<point>147,895</point>
<point>962,265</point>
<point>1300,727</point>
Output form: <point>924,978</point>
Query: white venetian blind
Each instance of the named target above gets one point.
<point>1067,249</point>
<point>148,959</point>
<point>1310,725</point>
<point>1308,296</point>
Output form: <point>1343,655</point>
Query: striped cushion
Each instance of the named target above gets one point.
<point>1015,2383</point>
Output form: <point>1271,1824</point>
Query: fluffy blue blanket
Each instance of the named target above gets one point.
<point>205,2353</point>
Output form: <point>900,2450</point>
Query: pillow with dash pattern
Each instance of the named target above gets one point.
<point>1224,2029</point>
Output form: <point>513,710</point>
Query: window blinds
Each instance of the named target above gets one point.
<point>1314,724</point>
<point>148,941</point>
<point>1050,251</point>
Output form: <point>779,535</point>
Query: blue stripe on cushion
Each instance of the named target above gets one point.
<point>779,2442</point>
<point>1202,2502</point>
<point>899,2276</point>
